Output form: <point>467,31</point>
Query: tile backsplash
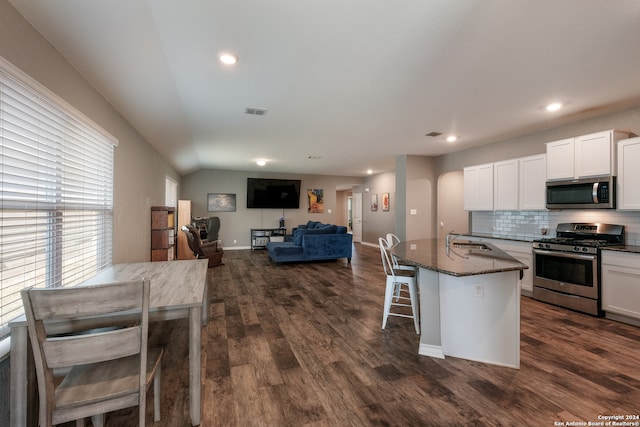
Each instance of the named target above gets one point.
<point>529,225</point>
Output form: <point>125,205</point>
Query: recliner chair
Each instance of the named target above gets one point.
<point>213,227</point>
<point>209,250</point>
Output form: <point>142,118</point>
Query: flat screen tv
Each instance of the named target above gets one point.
<point>273,193</point>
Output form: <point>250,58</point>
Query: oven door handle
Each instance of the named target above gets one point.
<point>571,255</point>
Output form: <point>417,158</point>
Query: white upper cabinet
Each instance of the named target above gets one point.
<point>583,156</point>
<point>533,176</point>
<point>560,159</point>
<point>628,191</point>
<point>516,184</point>
<point>478,188</point>
<point>505,185</point>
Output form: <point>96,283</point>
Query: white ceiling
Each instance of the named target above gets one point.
<point>353,82</point>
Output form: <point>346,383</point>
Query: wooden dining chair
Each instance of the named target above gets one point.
<point>105,368</point>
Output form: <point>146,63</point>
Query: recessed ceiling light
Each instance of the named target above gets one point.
<point>261,162</point>
<point>555,106</point>
<point>228,58</point>
<point>369,171</point>
<point>451,138</point>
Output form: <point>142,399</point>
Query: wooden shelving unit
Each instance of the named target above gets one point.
<point>163,233</point>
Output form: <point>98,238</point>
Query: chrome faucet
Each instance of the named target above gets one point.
<point>450,238</point>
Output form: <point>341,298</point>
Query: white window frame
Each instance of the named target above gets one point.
<point>170,192</point>
<point>56,192</point>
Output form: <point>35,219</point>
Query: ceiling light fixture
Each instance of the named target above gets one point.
<point>452,138</point>
<point>555,106</point>
<point>261,162</point>
<point>369,171</point>
<point>228,58</point>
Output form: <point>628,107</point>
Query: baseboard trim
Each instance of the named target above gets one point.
<point>431,351</point>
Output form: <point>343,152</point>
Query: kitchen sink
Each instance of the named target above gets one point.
<point>471,246</point>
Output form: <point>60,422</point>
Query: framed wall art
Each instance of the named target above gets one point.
<point>374,202</point>
<point>316,200</point>
<point>385,202</point>
<point>221,202</point>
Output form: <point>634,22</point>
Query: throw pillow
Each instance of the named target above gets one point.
<point>297,236</point>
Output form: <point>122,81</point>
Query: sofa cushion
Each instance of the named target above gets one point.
<point>341,229</point>
<point>323,229</point>
<point>312,224</point>
<point>285,248</point>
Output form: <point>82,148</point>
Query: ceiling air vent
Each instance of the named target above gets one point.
<point>434,134</point>
<point>256,111</point>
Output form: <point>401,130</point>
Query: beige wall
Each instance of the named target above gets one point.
<point>235,226</point>
<point>534,143</point>
<point>451,214</point>
<point>421,192</point>
<point>376,224</point>
<point>139,169</point>
<point>449,167</point>
<point>342,197</point>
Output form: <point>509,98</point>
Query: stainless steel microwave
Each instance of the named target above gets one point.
<point>584,193</point>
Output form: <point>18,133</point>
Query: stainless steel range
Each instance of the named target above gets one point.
<point>566,269</point>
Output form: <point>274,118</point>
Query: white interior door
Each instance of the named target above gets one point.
<point>357,217</point>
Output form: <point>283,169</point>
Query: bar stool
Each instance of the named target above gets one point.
<point>396,280</point>
<point>393,240</point>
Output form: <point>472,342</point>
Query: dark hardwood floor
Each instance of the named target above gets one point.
<point>301,345</point>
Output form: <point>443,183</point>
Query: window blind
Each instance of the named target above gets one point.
<point>170,192</point>
<point>56,192</point>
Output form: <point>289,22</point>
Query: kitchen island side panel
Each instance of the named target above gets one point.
<point>480,317</point>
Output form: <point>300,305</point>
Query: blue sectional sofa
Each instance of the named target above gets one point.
<point>313,241</point>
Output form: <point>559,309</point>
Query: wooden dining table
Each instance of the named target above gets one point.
<point>178,290</point>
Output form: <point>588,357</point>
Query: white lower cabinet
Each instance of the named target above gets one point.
<point>621,283</point>
<point>522,251</point>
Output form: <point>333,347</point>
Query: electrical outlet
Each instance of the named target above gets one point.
<point>478,289</point>
<point>235,241</point>
<point>544,231</point>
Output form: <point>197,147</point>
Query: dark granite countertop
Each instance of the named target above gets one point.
<point>501,237</point>
<point>623,248</point>
<point>463,258</point>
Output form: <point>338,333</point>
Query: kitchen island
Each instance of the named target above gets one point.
<point>469,299</point>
